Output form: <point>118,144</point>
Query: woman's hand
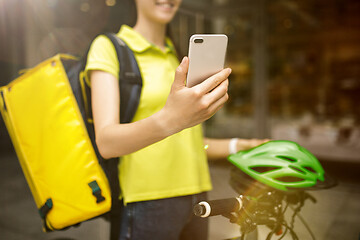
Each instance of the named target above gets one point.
<point>245,144</point>
<point>220,148</point>
<point>187,107</point>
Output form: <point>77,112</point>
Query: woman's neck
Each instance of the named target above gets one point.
<point>153,32</point>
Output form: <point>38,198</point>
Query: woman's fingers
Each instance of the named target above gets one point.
<point>187,107</point>
<point>218,92</point>
<point>181,73</point>
<point>214,99</point>
<point>244,144</point>
<point>218,96</point>
<point>218,104</point>
<point>213,81</point>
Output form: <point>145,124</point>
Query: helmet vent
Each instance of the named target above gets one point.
<point>297,169</point>
<point>289,159</point>
<point>289,179</point>
<point>261,169</point>
<point>310,169</point>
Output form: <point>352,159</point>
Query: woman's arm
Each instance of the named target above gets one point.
<point>220,148</point>
<point>184,108</point>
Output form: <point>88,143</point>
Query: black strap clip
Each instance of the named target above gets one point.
<point>3,98</point>
<point>96,191</point>
<point>46,208</point>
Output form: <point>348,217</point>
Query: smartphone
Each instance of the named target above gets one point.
<point>206,57</point>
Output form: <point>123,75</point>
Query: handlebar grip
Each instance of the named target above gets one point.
<point>217,207</point>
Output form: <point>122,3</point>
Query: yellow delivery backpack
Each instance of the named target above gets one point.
<point>48,116</point>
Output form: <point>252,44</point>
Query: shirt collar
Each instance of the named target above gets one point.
<point>138,43</point>
<point>169,45</point>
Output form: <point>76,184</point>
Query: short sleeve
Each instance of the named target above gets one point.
<point>102,56</point>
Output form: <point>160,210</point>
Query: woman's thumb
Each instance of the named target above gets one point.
<point>181,73</point>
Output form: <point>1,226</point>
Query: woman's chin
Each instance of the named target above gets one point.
<point>164,18</point>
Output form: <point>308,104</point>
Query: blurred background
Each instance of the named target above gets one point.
<point>296,76</point>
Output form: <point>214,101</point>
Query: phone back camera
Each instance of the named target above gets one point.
<point>198,40</point>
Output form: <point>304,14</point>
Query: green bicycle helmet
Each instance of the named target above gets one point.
<point>280,164</point>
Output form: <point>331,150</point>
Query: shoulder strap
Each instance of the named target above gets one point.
<point>130,79</point>
<point>130,84</point>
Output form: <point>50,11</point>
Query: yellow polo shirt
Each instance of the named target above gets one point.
<point>175,166</point>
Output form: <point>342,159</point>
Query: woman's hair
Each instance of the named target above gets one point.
<point>130,7</point>
<point>124,12</point>
<point>169,33</point>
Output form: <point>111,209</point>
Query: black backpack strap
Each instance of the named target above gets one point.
<point>130,84</point>
<point>130,79</point>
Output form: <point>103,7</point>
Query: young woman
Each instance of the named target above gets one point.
<point>163,170</point>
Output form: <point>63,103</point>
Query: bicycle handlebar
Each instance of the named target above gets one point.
<point>267,208</point>
<point>218,207</point>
